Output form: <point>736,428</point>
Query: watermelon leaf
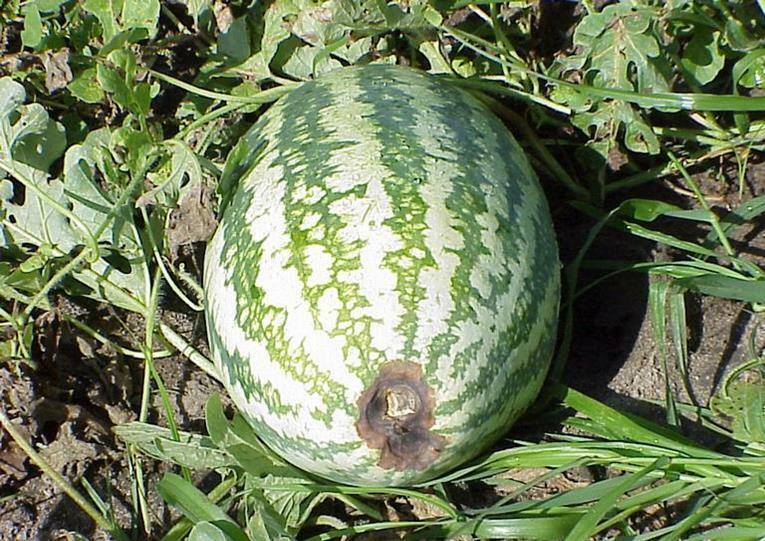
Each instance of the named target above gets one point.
<point>117,16</point>
<point>61,214</point>
<point>702,59</point>
<point>749,71</point>
<point>743,402</point>
<point>190,450</point>
<point>618,49</point>
<point>99,211</point>
<point>303,39</point>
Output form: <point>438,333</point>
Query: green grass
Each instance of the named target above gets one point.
<point>150,99</point>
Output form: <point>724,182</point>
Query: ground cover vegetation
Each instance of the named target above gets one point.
<point>643,119</point>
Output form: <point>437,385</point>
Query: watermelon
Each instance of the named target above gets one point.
<point>382,290</point>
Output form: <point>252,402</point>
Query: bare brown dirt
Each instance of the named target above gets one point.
<point>67,410</point>
<point>614,356</point>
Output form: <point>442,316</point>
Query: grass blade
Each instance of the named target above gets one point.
<point>621,426</point>
<point>196,506</point>
<point>587,526</point>
<point>733,533</point>
<point>554,527</point>
<point>657,302</point>
<point>752,291</point>
<point>679,332</point>
<point>660,100</point>
<point>740,215</point>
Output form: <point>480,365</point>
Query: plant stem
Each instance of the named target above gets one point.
<point>55,280</point>
<point>163,268</point>
<point>657,172</point>
<point>685,101</point>
<point>489,84</point>
<point>187,350</point>
<point>264,96</point>
<point>90,331</point>
<point>212,115</point>
<point>703,202</point>
<point>559,173</point>
<point>149,360</point>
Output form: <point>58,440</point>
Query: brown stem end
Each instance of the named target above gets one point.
<point>396,415</point>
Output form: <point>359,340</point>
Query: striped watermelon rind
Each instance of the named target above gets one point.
<point>381,216</point>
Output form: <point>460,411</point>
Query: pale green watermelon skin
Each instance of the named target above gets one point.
<point>382,214</point>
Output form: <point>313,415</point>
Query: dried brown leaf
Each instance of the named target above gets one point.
<point>58,74</point>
